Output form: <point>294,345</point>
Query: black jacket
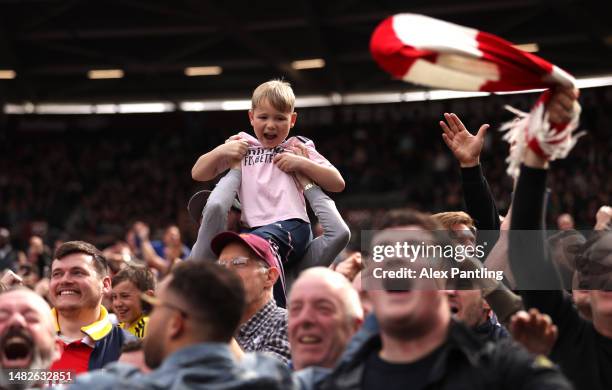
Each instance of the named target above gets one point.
<point>584,354</point>
<point>465,362</point>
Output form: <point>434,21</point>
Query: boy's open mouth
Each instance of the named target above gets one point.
<point>270,137</point>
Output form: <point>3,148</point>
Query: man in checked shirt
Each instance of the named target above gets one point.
<point>263,326</point>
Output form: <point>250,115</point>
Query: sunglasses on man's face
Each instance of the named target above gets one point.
<point>155,302</point>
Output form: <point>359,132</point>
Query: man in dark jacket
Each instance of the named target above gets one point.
<point>419,346</point>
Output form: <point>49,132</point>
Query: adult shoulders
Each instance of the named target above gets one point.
<point>267,369</point>
<point>113,376</point>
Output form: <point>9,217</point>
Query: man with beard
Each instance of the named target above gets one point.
<point>79,279</point>
<point>195,314</point>
<point>27,334</point>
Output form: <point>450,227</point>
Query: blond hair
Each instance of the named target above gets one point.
<point>450,218</point>
<point>277,92</point>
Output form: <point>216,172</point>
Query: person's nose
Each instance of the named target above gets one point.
<point>270,124</point>
<point>17,320</point>
<point>306,316</point>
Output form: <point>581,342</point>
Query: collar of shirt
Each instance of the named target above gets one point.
<point>137,328</point>
<point>94,331</point>
<point>255,323</point>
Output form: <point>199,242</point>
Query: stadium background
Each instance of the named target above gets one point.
<point>89,175</point>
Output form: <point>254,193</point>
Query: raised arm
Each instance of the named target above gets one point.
<point>467,148</point>
<point>477,195</point>
<point>219,159</point>
<point>527,247</point>
<point>336,234</point>
<point>214,214</point>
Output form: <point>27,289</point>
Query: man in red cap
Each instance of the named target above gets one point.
<point>263,326</point>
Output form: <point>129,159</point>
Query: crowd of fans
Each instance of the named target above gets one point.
<point>91,184</point>
<point>98,224</point>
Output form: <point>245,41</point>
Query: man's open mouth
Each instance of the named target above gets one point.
<point>310,339</point>
<point>16,349</point>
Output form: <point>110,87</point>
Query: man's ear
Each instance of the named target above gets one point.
<point>106,285</point>
<point>272,275</point>
<point>176,325</point>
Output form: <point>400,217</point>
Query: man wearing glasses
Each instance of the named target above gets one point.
<point>195,314</point>
<point>263,326</point>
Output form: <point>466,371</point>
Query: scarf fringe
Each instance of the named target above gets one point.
<point>554,143</point>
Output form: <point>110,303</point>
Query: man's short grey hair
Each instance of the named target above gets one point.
<point>347,294</point>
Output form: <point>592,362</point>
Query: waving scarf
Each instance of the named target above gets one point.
<point>435,53</point>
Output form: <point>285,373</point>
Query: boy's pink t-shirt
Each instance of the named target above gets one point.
<point>266,193</point>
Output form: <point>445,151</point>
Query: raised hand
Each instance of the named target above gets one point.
<point>465,146</point>
<point>9,279</point>
<point>562,105</point>
<point>350,266</point>
<point>534,330</point>
<point>141,230</point>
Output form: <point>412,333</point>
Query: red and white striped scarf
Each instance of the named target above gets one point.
<point>435,53</point>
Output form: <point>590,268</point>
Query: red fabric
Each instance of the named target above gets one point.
<point>392,54</point>
<point>518,70</point>
<point>75,357</point>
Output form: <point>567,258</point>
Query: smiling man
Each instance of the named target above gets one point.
<point>263,326</point>
<point>324,313</point>
<point>79,279</point>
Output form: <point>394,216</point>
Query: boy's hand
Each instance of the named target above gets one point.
<point>233,150</point>
<point>465,146</point>
<point>289,162</point>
